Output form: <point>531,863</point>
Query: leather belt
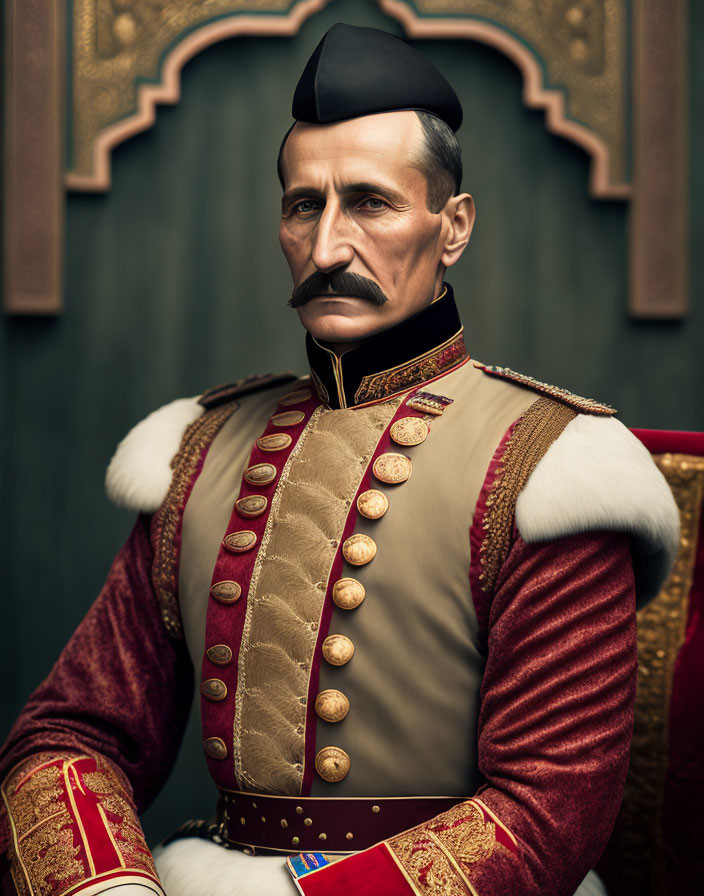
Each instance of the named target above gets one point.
<point>255,821</point>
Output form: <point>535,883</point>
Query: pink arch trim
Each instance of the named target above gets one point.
<point>168,91</point>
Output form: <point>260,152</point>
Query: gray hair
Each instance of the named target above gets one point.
<point>440,160</point>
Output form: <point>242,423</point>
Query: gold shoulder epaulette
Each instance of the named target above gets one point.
<point>256,383</point>
<point>585,405</point>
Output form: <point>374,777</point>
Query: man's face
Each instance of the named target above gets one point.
<point>355,203</point>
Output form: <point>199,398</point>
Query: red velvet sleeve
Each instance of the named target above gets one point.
<point>554,733</point>
<point>97,739</point>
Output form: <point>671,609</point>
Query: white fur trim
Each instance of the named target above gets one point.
<point>194,867</point>
<point>597,475</point>
<point>139,474</point>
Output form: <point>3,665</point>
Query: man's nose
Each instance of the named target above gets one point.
<point>332,246</point>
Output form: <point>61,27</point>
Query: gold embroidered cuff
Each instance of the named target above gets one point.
<point>73,826</point>
<point>438,857</point>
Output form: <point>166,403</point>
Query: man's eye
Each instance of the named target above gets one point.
<point>305,207</point>
<point>373,202</point>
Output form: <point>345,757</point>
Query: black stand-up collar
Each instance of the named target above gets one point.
<point>404,356</point>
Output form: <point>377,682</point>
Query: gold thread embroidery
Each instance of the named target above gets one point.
<point>67,770</point>
<point>637,838</point>
<point>412,373</point>
<point>437,857</point>
<point>122,819</point>
<point>168,518</point>
<point>465,833</point>
<point>241,774</point>
<point>533,434</point>
<point>46,823</point>
<point>42,844</point>
<point>403,870</point>
<point>308,513</point>
<point>320,387</point>
<point>50,856</point>
<point>33,804</point>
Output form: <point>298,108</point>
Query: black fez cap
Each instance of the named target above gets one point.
<point>361,71</point>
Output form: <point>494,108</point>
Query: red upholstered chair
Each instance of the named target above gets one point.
<point>657,848</point>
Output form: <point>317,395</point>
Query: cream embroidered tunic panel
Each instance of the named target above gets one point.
<point>413,682</point>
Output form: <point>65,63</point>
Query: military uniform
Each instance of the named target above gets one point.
<point>405,586</point>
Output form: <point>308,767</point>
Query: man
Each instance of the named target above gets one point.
<point>406,582</point>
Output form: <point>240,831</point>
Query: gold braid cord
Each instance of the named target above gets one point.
<point>532,435</point>
<point>73,825</point>
<point>167,521</point>
<point>438,857</point>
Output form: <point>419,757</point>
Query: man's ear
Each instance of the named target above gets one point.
<point>460,213</point>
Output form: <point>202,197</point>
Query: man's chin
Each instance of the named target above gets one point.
<point>340,319</point>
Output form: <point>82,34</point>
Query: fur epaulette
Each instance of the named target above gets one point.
<point>255,383</point>
<point>598,477</point>
<point>140,472</point>
<point>584,405</point>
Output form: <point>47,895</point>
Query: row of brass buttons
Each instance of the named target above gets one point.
<point>333,763</point>
<point>228,592</point>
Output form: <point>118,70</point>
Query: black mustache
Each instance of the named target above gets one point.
<point>341,282</point>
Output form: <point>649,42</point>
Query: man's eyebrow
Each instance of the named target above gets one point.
<point>368,187</point>
<point>301,193</point>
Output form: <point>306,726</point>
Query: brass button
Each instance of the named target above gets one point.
<point>392,468</point>
<point>359,549</point>
<point>214,689</point>
<point>322,836</point>
<point>338,649</point>
<point>348,593</point>
<point>373,504</point>
<point>409,431</point>
<point>332,764</point>
<point>220,654</point>
<point>332,705</point>
<point>376,810</point>
<point>277,441</point>
<point>295,397</point>
<point>226,592</point>
<point>349,835</point>
<point>299,810</point>
<point>252,505</point>
<point>239,542</point>
<point>307,822</point>
<point>215,747</point>
<point>288,418</point>
<point>260,474</point>
<point>284,823</point>
<point>295,840</point>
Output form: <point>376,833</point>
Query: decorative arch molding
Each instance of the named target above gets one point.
<point>607,147</point>
<point>572,55</point>
<point>125,67</point>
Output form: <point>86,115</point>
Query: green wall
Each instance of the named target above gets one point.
<point>174,282</point>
